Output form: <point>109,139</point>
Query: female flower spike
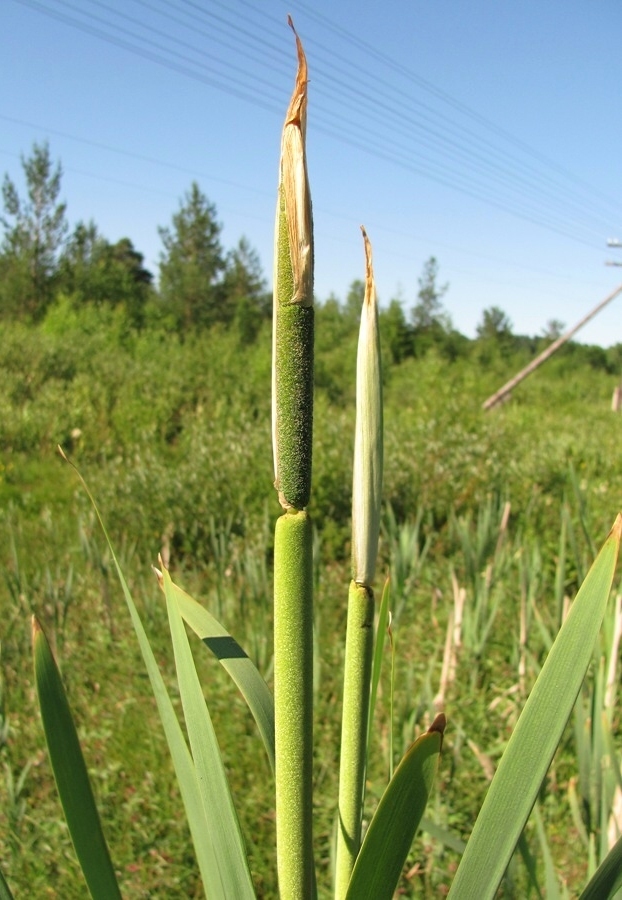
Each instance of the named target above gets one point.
<point>292,428</point>
<point>292,366</point>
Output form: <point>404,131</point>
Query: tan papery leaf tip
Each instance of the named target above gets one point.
<point>617,527</point>
<point>439,724</point>
<point>296,111</point>
<point>370,285</point>
<point>158,574</point>
<point>295,198</point>
<point>35,627</point>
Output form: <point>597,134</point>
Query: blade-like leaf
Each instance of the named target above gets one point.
<point>381,633</point>
<point>531,747</point>
<point>442,835</point>
<point>530,864</point>
<point>607,878</point>
<point>552,889</point>
<point>5,891</point>
<point>382,856</point>
<point>180,755</point>
<point>72,780</point>
<point>233,658</point>
<point>224,828</point>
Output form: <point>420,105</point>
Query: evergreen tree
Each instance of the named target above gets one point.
<point>354,302</point>
<point>244,290</point>
<point>396,332</point>
<point>34,229</point>
<point>192,264</point>
<point>329,328</point>
<point>428,313</point>
<point>243,273</point>
<point>494,325</point>
<point>95,271</point>
<point>554,329</point>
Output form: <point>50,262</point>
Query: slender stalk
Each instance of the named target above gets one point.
<point>366,500</point>
<point>357,678</point>
<point>292,428</point>
<point>293,691</point>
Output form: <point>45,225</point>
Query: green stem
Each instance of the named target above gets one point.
<point>293,704</point>
<point>356,687</point>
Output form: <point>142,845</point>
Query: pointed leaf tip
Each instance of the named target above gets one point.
<point>537,734</point>
<point>393,826</point>
<point>370,284</point>
<point>35,628</point>
<point>70,773</point>
<point>368,435</point>
<point>439,724</point>
<point>158,574</point>
<point>296,112</point>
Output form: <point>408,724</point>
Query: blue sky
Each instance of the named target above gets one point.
<point>484,132</point>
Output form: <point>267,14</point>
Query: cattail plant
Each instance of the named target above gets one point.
<point>292,433</point>
<point>366,507</point>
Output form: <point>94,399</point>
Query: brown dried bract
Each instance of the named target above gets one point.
<point>295,185</point>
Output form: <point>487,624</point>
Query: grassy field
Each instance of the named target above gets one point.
<point>173,438</point>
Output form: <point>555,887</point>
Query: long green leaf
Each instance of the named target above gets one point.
<point>552,890</point>
<point>530,750</point>
<point>224,829</point>
<point>382,856</point>
<point>442,835</point>
<point>233,658</point>
<point>180,755</point>
<point>72,780</point>
<point>381,633</point>
<point>354,730</point>
<point>5,890</point>
<point>530,864</point>
<point>607,879</point>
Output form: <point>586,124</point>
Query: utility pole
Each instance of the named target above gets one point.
<point>616,400</point>
<point>505,390</point>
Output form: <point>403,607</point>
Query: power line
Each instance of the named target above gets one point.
<point>558,215</point>
<point>151,55</point>
<point>506,187</point>
<point>426,130</point>
<point>372,52</point>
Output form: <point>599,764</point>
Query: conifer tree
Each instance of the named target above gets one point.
<point>192,264</point>
<point>34,230</point>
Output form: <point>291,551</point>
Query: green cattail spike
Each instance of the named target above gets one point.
<point>366,501</point>
<point>292,365</point>
<point>292,425</point>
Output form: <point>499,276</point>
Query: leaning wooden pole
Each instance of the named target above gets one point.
<point>496,398</point>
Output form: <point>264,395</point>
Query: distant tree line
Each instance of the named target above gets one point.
<point>201,285</point>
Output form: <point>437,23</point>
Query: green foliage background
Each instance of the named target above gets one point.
<point>161,396</point>
<point>172,433</point>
